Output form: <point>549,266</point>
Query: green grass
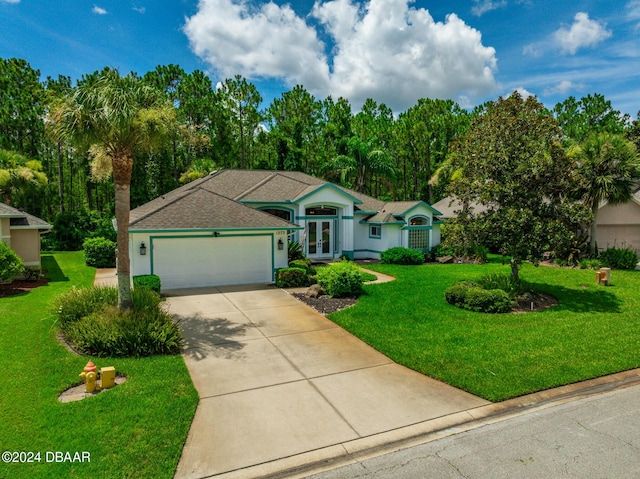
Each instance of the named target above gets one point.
<point>593,331</point>
<point>136,430</point>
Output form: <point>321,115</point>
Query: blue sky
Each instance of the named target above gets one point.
<point>394,51</point>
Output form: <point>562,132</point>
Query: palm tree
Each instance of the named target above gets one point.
<point>608,170</point>
<point>18,174</point>
<point>117,117</point>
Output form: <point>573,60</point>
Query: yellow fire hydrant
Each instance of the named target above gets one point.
<point>89,374</point>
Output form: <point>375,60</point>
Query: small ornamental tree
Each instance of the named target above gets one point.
<point>10,263</point>
<point>515,165</point>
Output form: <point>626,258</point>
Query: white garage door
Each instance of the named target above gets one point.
<point>193,262</point>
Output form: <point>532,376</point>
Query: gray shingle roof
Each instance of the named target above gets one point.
<point>198,208</point>
<point>22,219</point>
<point>228,189</point>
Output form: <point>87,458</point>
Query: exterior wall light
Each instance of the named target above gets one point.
<point>143,249</point>
<point>280,244</point>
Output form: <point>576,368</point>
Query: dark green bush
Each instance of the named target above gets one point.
<point>10,263</point>
<point>619,258</point>
<point>487,300</point>
<point>103,330</point>
<point>457,292</point>
<point>99,252</point>
<point>70,229</point>
<point>343,279</point>
<point>295,251</point>
<point>401,255</point>
<point>469,295</point>
<point>302,264</point>
<point>150,281</point>
<point>292,277</point>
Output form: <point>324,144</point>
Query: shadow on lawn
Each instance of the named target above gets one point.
<point>51,266</point>
<point>582,300</point>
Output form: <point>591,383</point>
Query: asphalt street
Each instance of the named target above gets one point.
<point>596,437</point>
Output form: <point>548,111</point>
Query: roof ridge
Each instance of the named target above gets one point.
<point>161,205</point>
<point>254,187</point>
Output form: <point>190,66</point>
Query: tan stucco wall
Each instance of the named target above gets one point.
<point>26,243</point>
<point>5,234</point>
<point>619,226</point>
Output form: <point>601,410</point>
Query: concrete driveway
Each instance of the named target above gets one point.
<point>281,386</point>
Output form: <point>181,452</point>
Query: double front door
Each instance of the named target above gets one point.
<point>319,238</point>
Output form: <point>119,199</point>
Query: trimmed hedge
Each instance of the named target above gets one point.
<point>99,252</point>
<point>619,258</point>
<point>292,277</point>
<point>343,279</point>
<point>150,281</point>
<point>401,255</point>
<point>468,295</point>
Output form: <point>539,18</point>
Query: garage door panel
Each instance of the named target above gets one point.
<point>192,262</point>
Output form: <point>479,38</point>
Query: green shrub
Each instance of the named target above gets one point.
<point>487,300</point>
<point>401,255</point>
<point>10,263</point>
<point>295,251</point>
<point>78,303</point>
<point>302,264</point>
<point>504,282</point>
<point>469,295</point>
<point>438,251</point>
<point>343,279</point>
<point>99,252</point>
<point>70,229</point>
<point>103,330</point>
<point>619,258</point>
<point>457,292</point>
<point>150,281</point>
<point>292,277</point>
<point>590,263</point>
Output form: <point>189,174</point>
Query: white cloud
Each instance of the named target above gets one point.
<point>262,41</point>
<point>10,1</point>
<point>564,87</point>
<point>481,7</point>
<point>140,10</point>
<point>99,10</point>
<point>583,33</point>
<point>382,49</point>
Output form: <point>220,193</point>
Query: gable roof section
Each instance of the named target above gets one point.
<point>22,220</point>
<point>198,209</point>
<point>392,210</point>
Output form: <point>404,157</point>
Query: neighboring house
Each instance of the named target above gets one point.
<point>233,227</point>
<point>21,232</point>
<point>619,225</point>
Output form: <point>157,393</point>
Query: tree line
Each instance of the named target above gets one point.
<point>374,151</point>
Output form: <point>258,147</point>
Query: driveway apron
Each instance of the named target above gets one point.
<point>278,380</point>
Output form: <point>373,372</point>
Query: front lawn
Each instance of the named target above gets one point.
<point>593,331</point>
<point>136,430</point>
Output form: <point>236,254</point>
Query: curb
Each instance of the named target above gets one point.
<point>351,452</point>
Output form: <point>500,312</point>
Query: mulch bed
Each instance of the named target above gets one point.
<point>326,305</point>
<point>20,286</point>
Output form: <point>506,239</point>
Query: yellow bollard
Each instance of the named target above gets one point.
<point>107,377</point>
